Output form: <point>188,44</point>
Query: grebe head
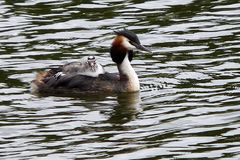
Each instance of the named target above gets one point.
<point>91,61</point>
<point>125,42</point>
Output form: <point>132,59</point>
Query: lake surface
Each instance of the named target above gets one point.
<point>189,104</point>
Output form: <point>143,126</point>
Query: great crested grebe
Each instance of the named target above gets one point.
<point>89,76</point>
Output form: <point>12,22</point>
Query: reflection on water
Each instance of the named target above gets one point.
<point>128,107</point>
<point>188,107</point>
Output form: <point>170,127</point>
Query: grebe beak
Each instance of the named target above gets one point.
<point>141,47</point>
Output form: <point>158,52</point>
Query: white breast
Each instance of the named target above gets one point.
<point>125,68</point>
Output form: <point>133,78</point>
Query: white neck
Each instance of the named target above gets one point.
<point>125,69</point>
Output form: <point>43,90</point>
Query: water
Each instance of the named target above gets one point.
<point>189,103</point>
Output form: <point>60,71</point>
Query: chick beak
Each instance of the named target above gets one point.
<point>92,64</point>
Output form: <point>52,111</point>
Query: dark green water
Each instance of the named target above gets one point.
<point>189,104</point>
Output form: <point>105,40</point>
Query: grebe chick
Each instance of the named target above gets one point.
<point>71,78</point>
<point>87,66</point>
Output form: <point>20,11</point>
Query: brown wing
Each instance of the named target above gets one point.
<point>104,82</point>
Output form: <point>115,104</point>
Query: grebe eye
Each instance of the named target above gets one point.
<point>132,43</point>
